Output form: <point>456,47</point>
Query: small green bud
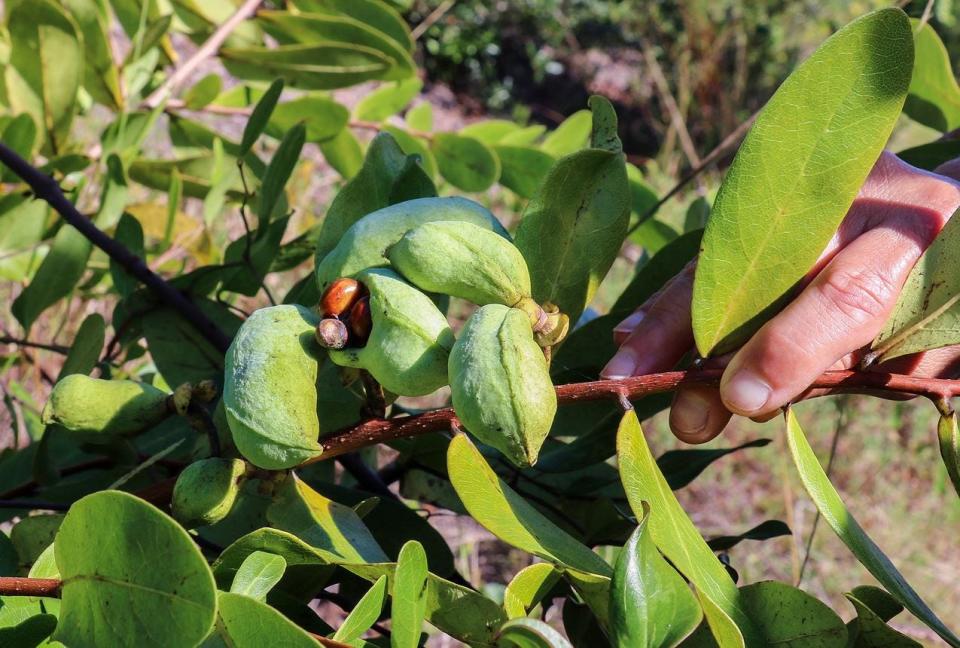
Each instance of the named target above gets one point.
<point>206,490</point>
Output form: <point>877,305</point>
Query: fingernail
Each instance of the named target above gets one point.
<point>745,393</point>
<point>688,416</point>
<point>630,323</point>
<point>622,365</point>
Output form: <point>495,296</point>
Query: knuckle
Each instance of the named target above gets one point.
<point>860,296</point>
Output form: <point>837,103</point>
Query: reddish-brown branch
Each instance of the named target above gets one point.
<point>373,431</point>
<point>15,586</point>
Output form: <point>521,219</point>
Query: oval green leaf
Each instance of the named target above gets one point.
<point>934,98</point>
<point>243,622</point>
<point>144,562</point>
<point>787,616</point>
<point>364,614</point>
<point>408,596</point>
<point>387,100</point>
<point>528,588</point>
<point>796,174</point>
<point>466,163</point>
<point>257,575</point>
<point>650,603</point>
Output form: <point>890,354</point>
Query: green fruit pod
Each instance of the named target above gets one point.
<point>98,410</point>
<point>462,260</point>
<point>409,341</point>
<point>206,491</point>
<point>365,244</point>
<point>270,392</point>
<point>501,385</point>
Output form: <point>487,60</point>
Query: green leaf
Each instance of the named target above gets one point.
<point>373,13</point>
<point>930,156</point>
<point>528,588</point>
<point>324,118</point>
<point>490,131</point>
<point>878,600</point>
<point>31,631</point>
<point>257,575</point>
<point>408,592</point>
<point>420,117</point>
<point>835,514</point>
<point>948,437</point>
<point>243,622</point>
<point>523,168</point>
<point>603,133</point>
<point>525,136</point>
<point>85,350</point>
<point>572,229</point>
<point>203,92</point>
<point>101,76</point>
<point>672,530</point>
<point>315,28</point>
<point>650,603</point>
<point>464,162</point>
<point>387,100</point>
<point>663,266</point>
<point>414,146</point>
<point>46,66</point>
<point>129,233</point>
<point>364,614</point>
<point>56,277</point>
<point>927,314</point>
<point>787,616</point>
<point>796,174</point>
<point>764,531</point>
<point>570,136</point>
<point>114,196</point>
<point>934,98</point>
<point>530,633</point>
<point>511,518</point>
<point>20,135</point>
<point>323,66</point>
<point>869,629</point>
<point>279,171</point>
<point>109,597</point>
<point>385,178</point>
<point>32,535</point>
<point>260,116</point>
<point>343,153</point>
<point>680,467</point>
<point>323,523</point>
<point>654,235</point>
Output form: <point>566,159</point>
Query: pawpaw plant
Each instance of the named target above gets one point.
<point>290,392</point>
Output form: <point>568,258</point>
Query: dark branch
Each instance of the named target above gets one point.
<point>47,189</point>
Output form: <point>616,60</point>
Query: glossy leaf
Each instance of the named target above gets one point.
<point>257,575</point>
<point>934,98</point>
<point>261,114</point>
<point>87,345</point>
<point>672,530</point>
<point>528,588</point>
<point>385,178</point>
<point>522,168</point>
<point>56,277</point>
<point>323,523</point>
<point>796,174</point>
<point>243,622</point>
<point>324,118</point>
<point>387,100</point>
<point>108,598</point>
<point>764,531</point>
<point>279,171</point>
<point>650,603</point>
<point>364,614</point>
<point>46,66</point>
<point>464,162</point>
<point>836,515</point>
<point>408,596</point>
<point>511,518</point>
<point>927,314</point>
<point>572,229</point>
<point>948,437</point>
<point>869,629</point>
<point>530,633</point>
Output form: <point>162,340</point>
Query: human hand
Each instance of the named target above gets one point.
<point>844,303</point>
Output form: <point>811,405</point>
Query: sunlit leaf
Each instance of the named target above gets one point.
<point>796,174</point>
<point>56,277</point>
<point>364,614</point>
<point>243,622</point>
<point>934,98</point>
<point>408,596</point>
<point>257,575</point>
<point>528,588</point>
<point>530,633</point>
<point>570,136</point>
<point>464,162</point>
<point>387,100</point>
<point>948,436</point>
<point>260,116</point>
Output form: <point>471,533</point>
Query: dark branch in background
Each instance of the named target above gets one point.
<point>380,430</point>
<point>47,189</point>
<point>56,348</point>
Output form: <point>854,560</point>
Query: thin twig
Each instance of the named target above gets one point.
<point>56,348</point>
<point>379,430</point>
<point>722,149</point>
<point>15,586</point>
<point>670,104</point>
<point>47,189</point>
<point>431,19</point>
<point>208,49</point>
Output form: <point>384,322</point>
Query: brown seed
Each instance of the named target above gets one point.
<point>332,333</point>
<point>340,296</point>
<point>360,322</point>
